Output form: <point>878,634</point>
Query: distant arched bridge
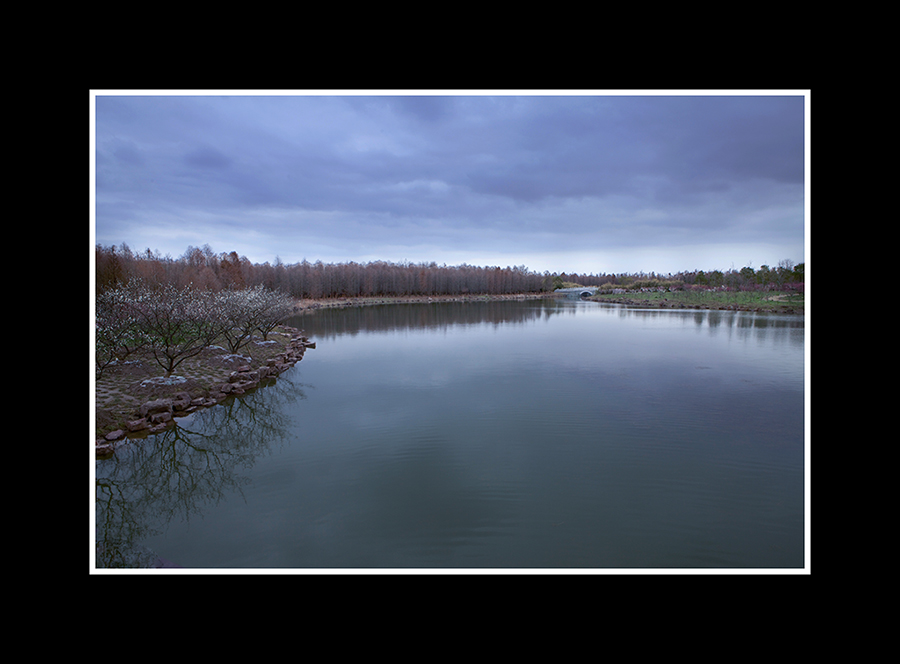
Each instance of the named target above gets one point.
<point>581,291</point>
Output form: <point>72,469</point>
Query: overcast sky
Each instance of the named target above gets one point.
<point>581,182</point>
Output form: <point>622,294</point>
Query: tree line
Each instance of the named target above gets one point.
<point>173,309</point>
<point>202,268</point>
<point>785,276</point>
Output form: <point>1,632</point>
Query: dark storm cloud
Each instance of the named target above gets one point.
<point>577,147</point>
<point>489,175</point>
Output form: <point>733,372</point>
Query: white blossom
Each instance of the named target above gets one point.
<point>178,323</point>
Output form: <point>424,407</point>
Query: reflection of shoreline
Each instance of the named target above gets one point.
<point>743,324</point>
<point>772,308</point>
<point>328,322</point>
<point>305,305</point>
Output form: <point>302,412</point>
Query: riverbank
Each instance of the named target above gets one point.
<point>763,302</point>
<point>134,398</point>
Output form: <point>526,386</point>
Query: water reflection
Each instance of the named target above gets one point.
<point>546,433</point>
<point>744,324</point>
<point>330,323</point>
<point>178,473</point>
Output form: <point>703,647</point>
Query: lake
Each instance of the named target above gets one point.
<point>544,434</point>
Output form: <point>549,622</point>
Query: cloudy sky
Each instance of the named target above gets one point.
<point>578,182</point>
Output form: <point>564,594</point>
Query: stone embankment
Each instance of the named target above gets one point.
<point>158,414</point>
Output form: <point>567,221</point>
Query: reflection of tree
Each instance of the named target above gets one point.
<point>329,323</point>
<point>745,324</point>
<point>182,470</point>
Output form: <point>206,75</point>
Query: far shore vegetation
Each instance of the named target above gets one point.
<point>203,269</point>
<point>772,300</point>
<point>778,289</point>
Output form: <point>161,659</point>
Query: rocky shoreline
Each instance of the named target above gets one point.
<point>132,403</point>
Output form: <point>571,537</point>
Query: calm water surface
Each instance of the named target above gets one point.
<point>540,434</point>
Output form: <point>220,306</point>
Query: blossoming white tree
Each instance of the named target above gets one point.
<point>250,310</point>
<point>117,334</point>
<point>276,307</point>
<point>176,324</point>
<point>242,311</point>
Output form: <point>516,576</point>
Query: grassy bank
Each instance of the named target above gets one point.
<point>775,302</point>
